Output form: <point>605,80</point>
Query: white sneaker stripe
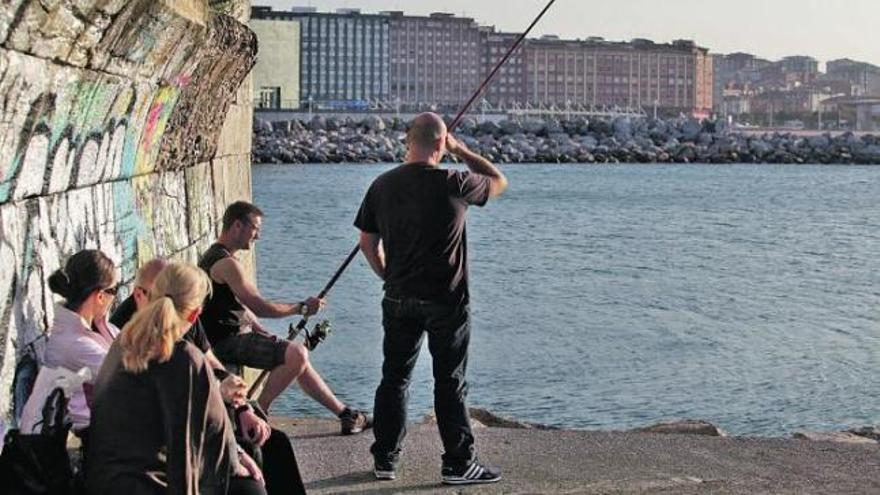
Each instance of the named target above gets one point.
<point>477,474</point>
<point>469,471</point>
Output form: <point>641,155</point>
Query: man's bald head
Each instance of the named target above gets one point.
<point>427,132</point>
<point>147,274</point>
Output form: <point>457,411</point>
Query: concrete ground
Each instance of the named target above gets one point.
<point>538,461</point>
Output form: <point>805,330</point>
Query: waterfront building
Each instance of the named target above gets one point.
<point>435,60</point>
<point>276,73</point>
<point>863,78</point>
<point>734,71</point>
<point>509,86</point>
<point>790,72</point>
<point>344,56</point>
<point>670,78</point>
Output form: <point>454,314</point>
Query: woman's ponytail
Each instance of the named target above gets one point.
<point>150,335</point>
<point>180,289</point>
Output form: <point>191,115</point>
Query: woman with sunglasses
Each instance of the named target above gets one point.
<point>80,335</point>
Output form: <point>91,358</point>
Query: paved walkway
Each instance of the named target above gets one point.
<point>536,461</point>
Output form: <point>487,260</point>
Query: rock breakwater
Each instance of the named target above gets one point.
<point>622,140</point>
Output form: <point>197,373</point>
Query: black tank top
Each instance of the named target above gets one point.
<point>223,313</point>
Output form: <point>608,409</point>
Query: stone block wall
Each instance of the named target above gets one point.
<point>125,125</point>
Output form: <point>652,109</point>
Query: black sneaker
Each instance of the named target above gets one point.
<point>473,474</point>
<point>385,470</point>
<point>353,421</point>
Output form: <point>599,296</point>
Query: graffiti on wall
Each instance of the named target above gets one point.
<point>85,145</point>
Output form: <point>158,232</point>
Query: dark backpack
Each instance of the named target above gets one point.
<point>39,464</point>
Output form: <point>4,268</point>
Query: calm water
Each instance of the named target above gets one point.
<point>608,297</point>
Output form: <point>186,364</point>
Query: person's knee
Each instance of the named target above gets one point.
<point>296,357</point>
<point>395,383</point>
<point>451,388</point>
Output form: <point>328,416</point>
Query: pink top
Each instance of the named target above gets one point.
<point>73,345</point>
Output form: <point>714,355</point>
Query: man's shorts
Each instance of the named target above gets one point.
<point>252,349</point>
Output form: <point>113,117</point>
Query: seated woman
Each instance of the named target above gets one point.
<point>80,335</point>
<point>158,421</point>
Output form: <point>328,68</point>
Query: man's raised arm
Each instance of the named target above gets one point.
<point>478,165</point>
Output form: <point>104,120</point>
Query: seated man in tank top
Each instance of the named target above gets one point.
<point>238,339</point>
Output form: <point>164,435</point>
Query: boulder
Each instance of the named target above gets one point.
<point>534,126</point>
<point>871,432</point>
<point>489,127</point>
<point>836,437</point>
<point>510,127</point>
<point>467,126</point>
<point>333,124</point>
<point>373,123</point>
<point>690,130</point>
<point>560,138</point>
<point>600,127</point>
<point>318,123</point>
<point>819,142</point>
<point>760,147</point>
<point>683,427</point>
<point>623,128</point>
<point>553,127</point>
<point>262,127</point>
<point>588,141</point>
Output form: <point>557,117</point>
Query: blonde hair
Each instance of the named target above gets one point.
<point>150,335</point>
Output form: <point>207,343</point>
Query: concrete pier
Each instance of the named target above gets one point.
<point>591,462</point>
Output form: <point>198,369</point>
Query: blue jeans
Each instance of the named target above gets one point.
<point>406,321</point>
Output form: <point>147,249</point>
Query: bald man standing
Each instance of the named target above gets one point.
<point>412,223</point>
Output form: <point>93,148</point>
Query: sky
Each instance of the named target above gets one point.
<point>824,29</point>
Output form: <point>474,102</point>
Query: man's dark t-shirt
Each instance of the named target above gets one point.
<point>195,335</point>
<point>420,212</point>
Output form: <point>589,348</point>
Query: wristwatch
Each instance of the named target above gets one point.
<point>303,308</point>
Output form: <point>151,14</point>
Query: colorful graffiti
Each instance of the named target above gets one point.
<point>114,148</point>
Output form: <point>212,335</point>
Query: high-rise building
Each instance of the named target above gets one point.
<point>675,78</point>
<point>435,60</point>
<point>276,74</point>
<point>344,56</point>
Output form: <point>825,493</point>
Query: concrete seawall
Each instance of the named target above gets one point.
<point>592,462</point>
<point>125,125</point>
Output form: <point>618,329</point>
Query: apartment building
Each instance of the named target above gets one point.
<point>435,59</point>
<point>508,86</point>
<point>674,77</point>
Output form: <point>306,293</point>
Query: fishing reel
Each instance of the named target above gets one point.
<point>318,334</point>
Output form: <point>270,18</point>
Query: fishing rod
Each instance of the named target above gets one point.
<point>519,40</point>
<point>320,332</point>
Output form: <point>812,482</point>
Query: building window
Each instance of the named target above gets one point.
<point>270,97</point>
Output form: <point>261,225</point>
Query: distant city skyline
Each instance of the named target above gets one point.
<point>769,29</point>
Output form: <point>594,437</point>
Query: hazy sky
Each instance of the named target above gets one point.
<point>824,29</point>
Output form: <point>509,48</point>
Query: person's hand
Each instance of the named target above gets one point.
<point>247,468</point>
<point>233,390</point>
<point>253,427</point>
<point>314,305</point>
<point>454,146</point>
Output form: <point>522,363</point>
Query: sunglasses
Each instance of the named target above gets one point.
<point>111,290</point>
